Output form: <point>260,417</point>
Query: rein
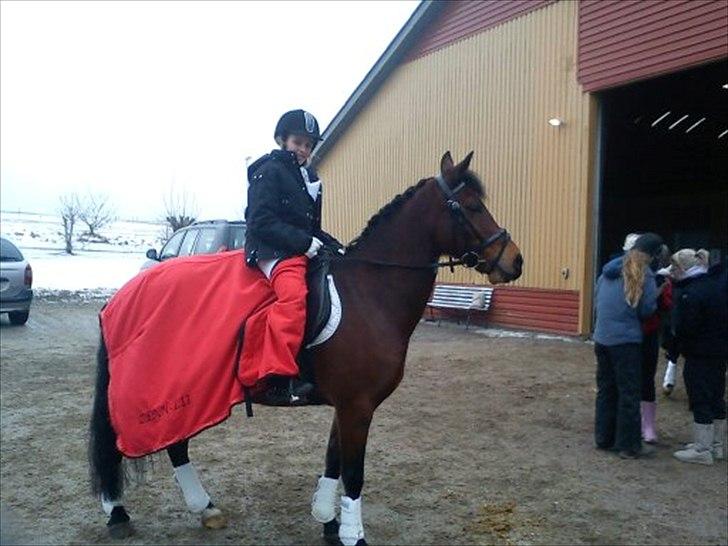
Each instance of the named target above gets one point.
<point>471,257</point>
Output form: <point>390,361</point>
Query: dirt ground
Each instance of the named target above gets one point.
<point>487,441</point>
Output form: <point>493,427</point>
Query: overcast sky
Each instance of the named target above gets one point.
<point>129,98</point>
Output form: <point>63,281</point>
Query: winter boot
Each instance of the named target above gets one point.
<point>718,450</point>
<point>649,434</point>
<point>668,384</point>
<point>700,452</point>
<point>645,451</point>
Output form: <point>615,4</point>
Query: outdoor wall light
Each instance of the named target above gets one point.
<point>725,86</point>
<point>556,122</point>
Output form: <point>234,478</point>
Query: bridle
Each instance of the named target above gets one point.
<point>471,258</point>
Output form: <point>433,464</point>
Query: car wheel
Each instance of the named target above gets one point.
<point>18,317</point>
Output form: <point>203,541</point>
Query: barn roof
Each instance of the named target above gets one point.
<point>396,51</point>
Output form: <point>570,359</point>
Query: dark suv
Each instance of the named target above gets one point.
<point>200,238</point>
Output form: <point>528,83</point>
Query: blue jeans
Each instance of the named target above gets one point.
<point>617,416</point>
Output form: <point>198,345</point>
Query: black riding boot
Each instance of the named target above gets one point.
<point>287,391</point>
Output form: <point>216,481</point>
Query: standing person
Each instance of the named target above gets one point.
<point>651,344</point>
<point>283,232</point>
<point>625,294</point>
<point>700,322</point>
<point>668,340</point>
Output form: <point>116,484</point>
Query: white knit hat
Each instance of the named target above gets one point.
<point>629,241</point>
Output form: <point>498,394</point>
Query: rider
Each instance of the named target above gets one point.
<point>283,232</point>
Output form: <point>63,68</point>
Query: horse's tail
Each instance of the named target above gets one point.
<point>107,477</point>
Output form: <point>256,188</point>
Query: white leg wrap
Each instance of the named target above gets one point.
<point>351,528</point>
<point>670,374</point>
<point>108,505</point>
<point>196,497</point>
<point>323,504</point>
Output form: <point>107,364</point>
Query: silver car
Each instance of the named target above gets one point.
<point>205,237</point>
<point>16,280</point>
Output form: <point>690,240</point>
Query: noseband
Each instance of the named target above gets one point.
<point>471,258</point>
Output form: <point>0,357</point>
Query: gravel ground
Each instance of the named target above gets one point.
<point>488,440</point>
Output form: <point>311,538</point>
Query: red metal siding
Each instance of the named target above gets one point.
<point>460,19</point>
<point>527,309</point>
<point>623,41</point>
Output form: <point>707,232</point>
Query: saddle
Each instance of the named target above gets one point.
<point>318,300</point>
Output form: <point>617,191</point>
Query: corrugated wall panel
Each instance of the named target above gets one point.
<point>463,18</point>
<point>492,92</point>
<point>620,42</point>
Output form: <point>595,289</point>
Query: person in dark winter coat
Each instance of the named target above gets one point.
<point>283,221</point>
<point>626,294</point>
<point>700,323</point>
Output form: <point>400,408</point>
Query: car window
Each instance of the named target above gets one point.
<point>171,249</point>
<point>237,237</point>
<point>189,242</point>
<point>205,241</point>
<point>8,252</point>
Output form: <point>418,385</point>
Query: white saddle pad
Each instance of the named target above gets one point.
<point>334,318</point>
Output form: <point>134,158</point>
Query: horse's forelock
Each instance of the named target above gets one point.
<point>473,181</point>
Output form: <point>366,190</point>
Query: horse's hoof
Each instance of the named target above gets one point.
<point>361,542</point>
<point>119,524</point>
<point>331,533</point>
<point>119,531</point>
<point>213,518</point>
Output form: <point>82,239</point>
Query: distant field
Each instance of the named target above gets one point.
<point>94,266</point>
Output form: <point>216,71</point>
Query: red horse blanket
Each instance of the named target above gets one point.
<point>172,338</point>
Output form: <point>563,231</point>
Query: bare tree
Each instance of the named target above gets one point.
<point>96,213</point>
<point>180,209</point>
<point>69,210</point>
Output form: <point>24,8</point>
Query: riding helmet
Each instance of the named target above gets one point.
<point>297,122</point>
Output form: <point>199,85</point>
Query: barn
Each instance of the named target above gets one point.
<point>589,119</point>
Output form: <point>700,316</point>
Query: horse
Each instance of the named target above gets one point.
<point>384,280</point>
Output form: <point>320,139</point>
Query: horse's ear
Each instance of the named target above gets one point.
<point>446,163</point>
<point>462,167</point>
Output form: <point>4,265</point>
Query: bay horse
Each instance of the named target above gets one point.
<point>384,281</point>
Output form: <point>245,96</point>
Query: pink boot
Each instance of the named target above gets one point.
<point>649,434</point>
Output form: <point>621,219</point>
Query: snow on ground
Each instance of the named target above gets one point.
<point>96,268</point>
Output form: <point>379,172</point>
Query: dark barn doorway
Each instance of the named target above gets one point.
<point>665,161</point>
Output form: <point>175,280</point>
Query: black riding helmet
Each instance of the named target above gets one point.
<point>297,122</point>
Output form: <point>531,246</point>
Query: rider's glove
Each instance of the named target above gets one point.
<point>316,245</point>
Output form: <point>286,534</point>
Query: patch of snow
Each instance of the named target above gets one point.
<point>503,333</point>
<point>65,296</point>
<point>53,270</point>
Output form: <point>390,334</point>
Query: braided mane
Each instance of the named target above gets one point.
<point>399,200</point>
